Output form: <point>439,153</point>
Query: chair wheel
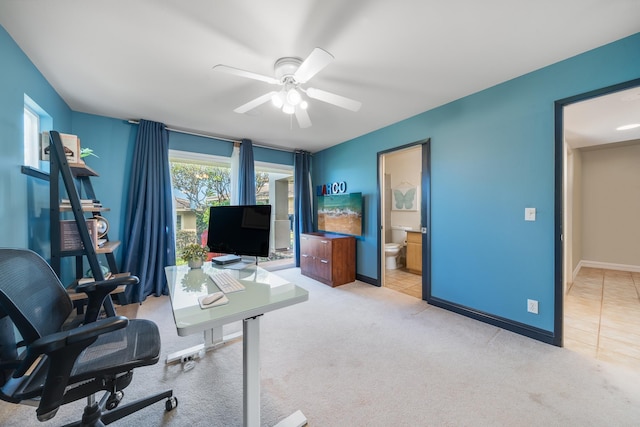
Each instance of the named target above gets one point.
<point>171,403</point>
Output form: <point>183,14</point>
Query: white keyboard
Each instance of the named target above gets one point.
<point>226,282</point>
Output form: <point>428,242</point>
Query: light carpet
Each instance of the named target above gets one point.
<point>358,355</point>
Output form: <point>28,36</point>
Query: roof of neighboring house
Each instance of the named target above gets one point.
<point>182,204</point>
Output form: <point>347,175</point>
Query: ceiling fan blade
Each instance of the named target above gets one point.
<point>303,118</point>
<point>246,74</point>
<point>255,103</point>
<point>316,61</point>
<point>334,99</point>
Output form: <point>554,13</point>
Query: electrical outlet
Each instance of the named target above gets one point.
<point>532,306</point>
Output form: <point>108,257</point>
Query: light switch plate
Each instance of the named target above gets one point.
<point>529,214</point>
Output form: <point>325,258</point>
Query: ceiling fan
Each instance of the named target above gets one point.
<point>290,73</point>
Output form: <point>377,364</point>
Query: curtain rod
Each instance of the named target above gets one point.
<point>220,138</point>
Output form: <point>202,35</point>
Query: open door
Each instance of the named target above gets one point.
<point>404,218</point>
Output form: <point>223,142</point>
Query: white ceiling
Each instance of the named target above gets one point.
<point>595,121</point>
<point>153,59</point>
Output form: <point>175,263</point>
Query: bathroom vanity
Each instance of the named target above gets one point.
<point>414,252</point>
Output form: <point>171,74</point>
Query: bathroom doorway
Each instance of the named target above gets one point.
<point>404,221</point>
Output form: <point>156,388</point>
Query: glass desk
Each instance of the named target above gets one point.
<point>264,292</point>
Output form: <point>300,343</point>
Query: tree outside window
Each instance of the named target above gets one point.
<point>196,188</point>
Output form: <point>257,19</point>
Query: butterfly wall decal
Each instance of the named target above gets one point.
<point>406,200</point>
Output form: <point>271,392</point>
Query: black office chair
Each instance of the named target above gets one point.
<point>51,366</point>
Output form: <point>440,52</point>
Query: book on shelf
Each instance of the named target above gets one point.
<point>70,236</point>
<point>85,203</point>
<point>84,280</point>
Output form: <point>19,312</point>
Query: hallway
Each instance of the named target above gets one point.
<point>602,316</point>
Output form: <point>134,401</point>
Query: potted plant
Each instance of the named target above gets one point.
<point>85,152</point>
<point>194,254</point>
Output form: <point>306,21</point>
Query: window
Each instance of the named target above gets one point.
<point>274,185</point>
<point>35,120</point>
<point>199,181</point>
<point>31,138</point>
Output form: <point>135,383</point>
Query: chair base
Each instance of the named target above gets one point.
<point>95,415</point>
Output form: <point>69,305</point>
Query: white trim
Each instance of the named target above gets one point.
<point>31,127</point>
<point>607,266</point>
<point>213,159</point>
<point>576,271</point>
<point>261,166</point>
<point>200,158</point>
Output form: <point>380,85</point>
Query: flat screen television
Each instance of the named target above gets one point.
<point>240,230</point>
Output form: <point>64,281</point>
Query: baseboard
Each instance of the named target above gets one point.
<point>517,327</point>
<point>607,266</point>
<point>509,325</point>
<point>576,271</point>
<point>367,279</point>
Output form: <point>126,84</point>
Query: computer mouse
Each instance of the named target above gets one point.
<point>211,298</point>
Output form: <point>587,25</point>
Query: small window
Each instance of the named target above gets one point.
<point>31,138</point>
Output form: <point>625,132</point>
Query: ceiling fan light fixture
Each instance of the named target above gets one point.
<point>291,74</point>
<point>288,109</point>
<point>278,99</point>
<point>293,97</point>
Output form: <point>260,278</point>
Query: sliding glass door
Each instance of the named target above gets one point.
<point>200,181</point>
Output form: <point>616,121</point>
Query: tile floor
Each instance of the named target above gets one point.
<point>402,281</point>
<point>601,312</point>
<point>602,316</point>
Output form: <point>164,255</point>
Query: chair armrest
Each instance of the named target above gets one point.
<point>84,336</point>
<point>62,350</point>
<point>109,284</point>
<point>53,342</point>
<point>98,291</point>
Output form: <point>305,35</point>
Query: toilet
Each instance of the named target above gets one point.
<point>392,255</point>
<point>394,249</point>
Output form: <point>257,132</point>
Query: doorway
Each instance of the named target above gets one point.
<point>403,206</point>
<point>597,279</point>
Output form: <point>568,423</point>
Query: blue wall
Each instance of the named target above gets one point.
<point>113,141</point>
<point>492,155</point>
<point>24,217</point>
